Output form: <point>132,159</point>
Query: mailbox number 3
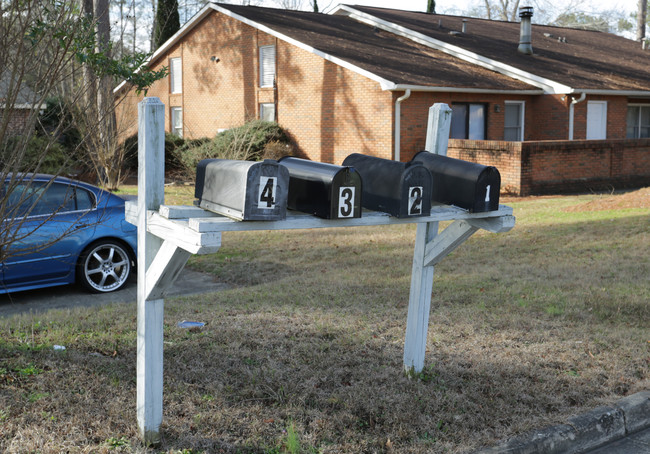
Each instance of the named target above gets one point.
<point>415,200</point>
<point>267,192</point>
<point>346,202</point>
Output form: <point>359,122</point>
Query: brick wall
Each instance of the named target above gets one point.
<point>551,167</point>
<point>18,119</point>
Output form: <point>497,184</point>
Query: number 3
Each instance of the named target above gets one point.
<point>346,202</point>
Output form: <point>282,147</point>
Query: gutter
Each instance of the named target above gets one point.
<point>425,88</point>
<point>398,122</point>
<point>574,101</point>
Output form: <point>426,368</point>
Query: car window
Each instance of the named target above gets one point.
<point>38,199</point>
<point>84,199</point>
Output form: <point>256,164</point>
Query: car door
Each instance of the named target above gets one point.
<point>46,242</point>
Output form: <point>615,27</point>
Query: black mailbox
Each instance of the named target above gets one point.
<point>324,190</point>
<point>397,188</point>
<point>243,190</point>
<point>464,184</point>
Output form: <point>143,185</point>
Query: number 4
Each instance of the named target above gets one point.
<point>266,198</point>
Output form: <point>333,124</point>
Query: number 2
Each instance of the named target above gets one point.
<point>415,200</point>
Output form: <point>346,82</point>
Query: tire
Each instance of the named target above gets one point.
<point>105,266</point>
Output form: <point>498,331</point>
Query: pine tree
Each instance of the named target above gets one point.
<point>167,22</point>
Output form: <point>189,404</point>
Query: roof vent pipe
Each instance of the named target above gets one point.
<point>464,29</point>
<point>525,46</point>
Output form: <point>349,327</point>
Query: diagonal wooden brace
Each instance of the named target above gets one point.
<point>164,269</point>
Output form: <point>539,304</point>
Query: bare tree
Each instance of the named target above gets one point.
<point>43,46</point>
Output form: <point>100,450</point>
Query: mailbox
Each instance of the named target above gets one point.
<point>324,190</point>
<point>243,190</point>
<point>465,184</point>
<point>399,189</point>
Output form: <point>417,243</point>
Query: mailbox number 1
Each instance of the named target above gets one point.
<point>415,200</point>
<point>267,192</point>
<point>346,202</point>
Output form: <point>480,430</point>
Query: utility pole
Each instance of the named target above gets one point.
<point>641,19</point>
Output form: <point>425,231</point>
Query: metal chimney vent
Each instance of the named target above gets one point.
<point>525,46</point>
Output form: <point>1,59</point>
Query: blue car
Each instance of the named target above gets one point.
<point>58,231</point>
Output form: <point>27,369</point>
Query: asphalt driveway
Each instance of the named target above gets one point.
<point>70,296</point>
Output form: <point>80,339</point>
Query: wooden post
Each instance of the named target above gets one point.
<point>417,321</point>
<point>438,129</point>
<point>151,184</point>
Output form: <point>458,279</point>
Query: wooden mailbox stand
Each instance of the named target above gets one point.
<point>168,235</point>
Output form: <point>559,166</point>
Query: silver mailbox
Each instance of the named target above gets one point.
<point>243,190</point>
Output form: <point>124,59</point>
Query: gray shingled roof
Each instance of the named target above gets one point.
<point>582,59</point>
<point>25,97</point>
<point>390,57</point>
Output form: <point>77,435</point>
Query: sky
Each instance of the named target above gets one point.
<point>457,7</point>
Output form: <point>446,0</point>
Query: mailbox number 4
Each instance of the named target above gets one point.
<point>266,197</point>
<point>415,200</point>
<point>346,202</point>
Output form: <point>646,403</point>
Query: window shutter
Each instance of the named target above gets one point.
<point>267,66</point>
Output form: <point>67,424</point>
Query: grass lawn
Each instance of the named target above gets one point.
<point>303,354</point>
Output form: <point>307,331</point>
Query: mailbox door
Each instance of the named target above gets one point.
<point>415,190</point>
<point>267,191</point>
<point>345,194</point>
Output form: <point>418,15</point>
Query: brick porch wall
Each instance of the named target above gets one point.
<point>552,167</point>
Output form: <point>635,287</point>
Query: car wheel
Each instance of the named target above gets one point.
<point>104,267</point>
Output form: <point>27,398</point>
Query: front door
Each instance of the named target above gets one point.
<point>596,120</point>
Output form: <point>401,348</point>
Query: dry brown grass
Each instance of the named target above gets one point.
<point>527,328</point>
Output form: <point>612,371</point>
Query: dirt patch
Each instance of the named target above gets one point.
<point>639,198</point>
<point>633,199</point>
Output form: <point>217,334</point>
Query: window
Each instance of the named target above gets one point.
<point>175,75</point>
<point>177,121</point>
<point>514,121</point>
<point>37,199</point>
<point>267,66</point>
<point>638,121</point>
<point>468,121</point>
<point>267,111</point>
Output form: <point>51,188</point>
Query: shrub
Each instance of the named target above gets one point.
<point>252,141</point>
<point>42,155</point>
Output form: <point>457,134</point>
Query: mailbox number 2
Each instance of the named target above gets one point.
<point>415,200</point>
<point>346,202</point>
<point>266,197</point>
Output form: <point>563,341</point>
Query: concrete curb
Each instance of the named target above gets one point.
<point>584,432</point>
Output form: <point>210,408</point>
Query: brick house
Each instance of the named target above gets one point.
<point>18,105</point>
<point>362,79</point>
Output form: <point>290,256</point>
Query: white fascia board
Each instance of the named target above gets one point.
<point>402,87</point>
<point>549,86</point>
<point>385,84</point>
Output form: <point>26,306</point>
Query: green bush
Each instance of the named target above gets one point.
<point>247,142</point>
<point>42,155</point>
